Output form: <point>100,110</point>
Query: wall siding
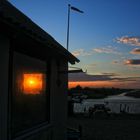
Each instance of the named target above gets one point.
<point>58,99</point>
<point>4,70</point>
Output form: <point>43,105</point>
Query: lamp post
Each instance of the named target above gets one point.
<point>68,26</point>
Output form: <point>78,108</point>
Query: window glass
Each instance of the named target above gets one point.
<point>29,96</point>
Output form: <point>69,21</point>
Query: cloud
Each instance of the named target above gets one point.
<point>110,74</point>
<point>92,65</point>
<point>133,41</point>
<point>128,79</point>
<point>107,50</point>
<point>73,77</point>
<point>135,51</point>
<point>83,77</point>
<point>132,62</point>
<point>81,52</point>
<point>115,62</point>
<point>78,52</point>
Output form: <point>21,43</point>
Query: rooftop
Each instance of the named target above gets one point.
<point>15,19</point>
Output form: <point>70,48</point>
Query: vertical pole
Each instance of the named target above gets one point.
<point>68,26</point>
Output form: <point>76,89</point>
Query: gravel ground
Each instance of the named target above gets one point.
<point>109,128</point>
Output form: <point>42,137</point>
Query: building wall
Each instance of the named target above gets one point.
<point>58,100</point>
<point>44,135</point>
<point>4,70</point>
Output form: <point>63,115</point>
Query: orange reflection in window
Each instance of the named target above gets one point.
<point>32,83</point>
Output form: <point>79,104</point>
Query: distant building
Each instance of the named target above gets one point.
<point>33,80</point>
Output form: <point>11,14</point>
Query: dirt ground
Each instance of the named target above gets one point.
<point>109,128</point>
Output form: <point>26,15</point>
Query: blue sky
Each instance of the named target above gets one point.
<point>106,37</point>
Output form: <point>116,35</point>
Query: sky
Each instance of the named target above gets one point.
<point>105,38</point>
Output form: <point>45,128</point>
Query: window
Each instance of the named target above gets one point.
<point>30,92</point>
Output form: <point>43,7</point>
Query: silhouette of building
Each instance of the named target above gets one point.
<point>33,79</point>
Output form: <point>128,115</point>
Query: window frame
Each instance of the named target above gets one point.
<point>39,126</point>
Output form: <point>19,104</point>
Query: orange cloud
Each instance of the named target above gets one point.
<point>133,41</point>
<point>135,51</point>
<point>132,62</point>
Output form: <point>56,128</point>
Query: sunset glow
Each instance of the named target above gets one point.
<point>32,83</point>
<point>101,84</point>
<point>90,84</point>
